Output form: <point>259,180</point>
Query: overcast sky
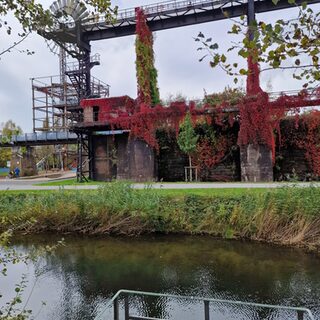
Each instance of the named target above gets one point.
<point>176,60</point>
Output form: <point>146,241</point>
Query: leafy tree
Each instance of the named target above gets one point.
<point>16,309</point>
<point>32,16</point>
<point>292,44</point>
<point>178,97</point>
<point>5,156</point>
<point>8,130</point>
<point>187,138</point>
<point>232,95</point>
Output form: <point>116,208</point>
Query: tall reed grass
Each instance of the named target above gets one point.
<point>288,216</point>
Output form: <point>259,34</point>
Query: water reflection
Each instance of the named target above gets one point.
<point>84,274</point>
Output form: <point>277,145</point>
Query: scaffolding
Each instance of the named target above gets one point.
<point>56,102</point>
<point>52,104</point>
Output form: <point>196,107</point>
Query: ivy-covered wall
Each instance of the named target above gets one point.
<point>147,74</point>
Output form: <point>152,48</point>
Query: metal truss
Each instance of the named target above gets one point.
<point>55,104</point>
<point>160,16</point>
<point>85,156</point>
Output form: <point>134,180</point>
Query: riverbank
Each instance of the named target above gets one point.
<point>286,216</point>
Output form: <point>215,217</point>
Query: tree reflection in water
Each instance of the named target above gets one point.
<point>90,271</point>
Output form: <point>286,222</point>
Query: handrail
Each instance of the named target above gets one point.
<point>48,83</point>
<point>202,299</point>
<point>157,8</point>
<point>40,137</point>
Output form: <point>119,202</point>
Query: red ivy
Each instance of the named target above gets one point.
<point>259,117</point>
<point>208,154</point>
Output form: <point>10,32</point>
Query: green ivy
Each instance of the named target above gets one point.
<point>147,75</point>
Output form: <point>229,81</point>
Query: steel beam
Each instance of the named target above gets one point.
<point>251,18</point>
<point>177,21</point>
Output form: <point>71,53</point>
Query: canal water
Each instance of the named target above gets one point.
<point>78,281</point>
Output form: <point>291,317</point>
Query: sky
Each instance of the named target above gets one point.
<point>176,54</point>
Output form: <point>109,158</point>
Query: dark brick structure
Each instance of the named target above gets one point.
<point>119,157</point>
<point>171,163</point>
<point>125,158</point>
<point>256,163</point>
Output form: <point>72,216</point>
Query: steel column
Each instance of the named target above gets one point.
<point>300,315</point>
<point>116,309</point>
<point>206,310</point>
<point>126,307</point>
<point>251,17</point>
<point>90,157</point>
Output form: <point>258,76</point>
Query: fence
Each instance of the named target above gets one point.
<point>135,305</point>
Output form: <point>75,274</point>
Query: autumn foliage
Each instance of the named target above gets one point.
<point>148,91</point>
<point>258,115</point>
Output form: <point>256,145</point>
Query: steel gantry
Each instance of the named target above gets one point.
<point>161,16</point>
<point>75,35</point>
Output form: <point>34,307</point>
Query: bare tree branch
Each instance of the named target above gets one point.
<point>14,44</point>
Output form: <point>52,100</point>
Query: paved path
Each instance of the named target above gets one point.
<point>30,185</point>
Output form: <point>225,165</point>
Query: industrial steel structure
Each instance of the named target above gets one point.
<point>55,104</point>
<point>56,100</point>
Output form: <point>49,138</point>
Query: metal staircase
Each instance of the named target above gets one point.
<point>79,76</point>
<point>86,86</point>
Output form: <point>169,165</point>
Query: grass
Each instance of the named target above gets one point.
<point>213,192</point>
<point>68,182</point>
<point>73,182</point>
<point>176,193</point>
<point>287,216</point>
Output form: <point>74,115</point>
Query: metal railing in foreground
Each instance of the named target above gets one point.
<point>131,305</point>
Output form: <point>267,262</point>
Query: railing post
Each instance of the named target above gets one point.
<point>116,309</point>
<point>126,307</point>
<point>300,315</point>
<point>206,310</point>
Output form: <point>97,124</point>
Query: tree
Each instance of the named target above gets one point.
<point>16,308</point>
<point>230,95</point>
<point>8,130</point>
<point>187,139</point>
<point>292,44</point>
<point>32,17</point>
<point>178,97</point>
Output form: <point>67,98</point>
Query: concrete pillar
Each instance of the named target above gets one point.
<point>135,160</point>
<point>16,157</point>
<point>256,163</point>
<point>104,161</point>
<point>28,163</point>
<point>88,114</point>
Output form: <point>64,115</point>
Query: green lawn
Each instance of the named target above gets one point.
<point>73,182</point>
<point>223,192</point>
<point>166,192</point>
<point>69,182</point>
